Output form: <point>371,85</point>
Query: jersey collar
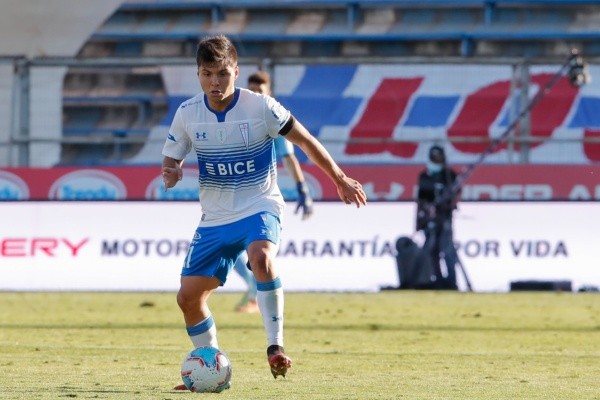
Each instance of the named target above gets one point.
<point>221,114</point>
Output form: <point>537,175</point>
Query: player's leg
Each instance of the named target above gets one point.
<point>263,236</point>
<point>192,300</point>
<point>206,266</point>
<point>204,269</point>
<point>270,302</point>
<point>248,303</point>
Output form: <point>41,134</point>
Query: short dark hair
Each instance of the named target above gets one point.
<point>437,154</point>
<point>260,78</point>
<point>216,49</point>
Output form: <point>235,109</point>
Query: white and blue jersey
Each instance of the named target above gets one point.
<point>235,152</point>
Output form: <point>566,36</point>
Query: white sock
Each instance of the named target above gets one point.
<point>270,303</point>
<point>204,333</point>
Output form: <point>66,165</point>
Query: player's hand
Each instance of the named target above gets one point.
<point>171,175</point>
<point>305,202</point>
<point>351,191</point>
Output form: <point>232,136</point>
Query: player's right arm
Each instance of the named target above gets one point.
<point>171,172</point>
<point>176,146</point>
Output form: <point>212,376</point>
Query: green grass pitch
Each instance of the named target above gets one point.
<point>389,345</point>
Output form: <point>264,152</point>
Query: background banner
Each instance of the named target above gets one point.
<point>381,182</point>
<point>141,245</point>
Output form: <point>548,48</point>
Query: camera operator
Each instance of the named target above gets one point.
<point>435,205</point>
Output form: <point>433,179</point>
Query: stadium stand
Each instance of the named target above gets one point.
<point>104,104</point>
<point>101,107</point>
<point>472,27</point>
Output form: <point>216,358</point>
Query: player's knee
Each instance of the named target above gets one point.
<point>186,302</point>
<point>259,259</point>
<point>262,265</point>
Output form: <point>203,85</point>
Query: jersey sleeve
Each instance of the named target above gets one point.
<point>178,143</point>
<point>276,116</point>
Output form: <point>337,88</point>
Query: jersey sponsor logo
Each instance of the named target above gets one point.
<point>230,168</point>
<point>171,137</point>
<point>184,105</point>
<point>201,136</point>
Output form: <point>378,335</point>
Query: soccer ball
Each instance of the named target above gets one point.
<point>206,370</point>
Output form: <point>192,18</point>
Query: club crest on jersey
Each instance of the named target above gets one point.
<point>221,135</point>
<point>244,130</point>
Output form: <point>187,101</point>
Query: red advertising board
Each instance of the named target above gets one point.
<point>381,182</point>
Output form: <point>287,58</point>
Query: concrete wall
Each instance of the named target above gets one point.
<point>42,28</point>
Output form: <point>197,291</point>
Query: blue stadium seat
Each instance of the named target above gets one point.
<point>191,22</point>
<point>418,16</point>
<point>153,22</point>
<point>127,48</point>
<point>267,22</point>
<point>120,22</point>
<point>82,118</point>
<point>336,23</point>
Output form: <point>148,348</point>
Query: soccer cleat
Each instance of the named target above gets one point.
<point>278,361</point>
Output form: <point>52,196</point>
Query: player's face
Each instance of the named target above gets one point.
<point>218,83</point>
<point>260,88</point>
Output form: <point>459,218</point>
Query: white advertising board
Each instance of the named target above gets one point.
<point>141,245</point>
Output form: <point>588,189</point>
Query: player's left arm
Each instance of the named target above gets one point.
<point>349,190</point>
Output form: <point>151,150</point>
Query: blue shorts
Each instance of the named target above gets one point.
<point>283,147</point>
<point>214,250</point>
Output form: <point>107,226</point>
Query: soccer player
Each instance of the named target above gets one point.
<point>232,131</point>
<point>260,82</point>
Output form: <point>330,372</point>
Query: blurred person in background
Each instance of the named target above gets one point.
<point>260,82</point>
<point>436,202</point>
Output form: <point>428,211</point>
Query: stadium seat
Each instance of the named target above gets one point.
<point>279,30</point>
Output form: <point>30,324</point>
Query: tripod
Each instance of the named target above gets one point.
<point>440,246</point>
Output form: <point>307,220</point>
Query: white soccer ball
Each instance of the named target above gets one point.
<point>206,370</point>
